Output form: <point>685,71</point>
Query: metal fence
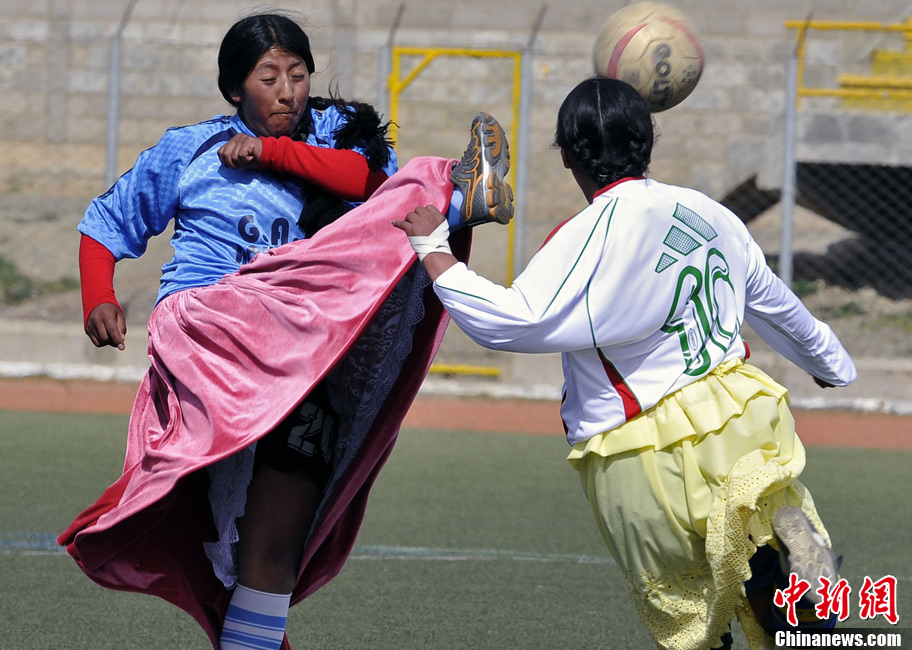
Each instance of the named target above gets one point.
<point>829,205</point>
<point>843,238</point>
<point>861,182</point>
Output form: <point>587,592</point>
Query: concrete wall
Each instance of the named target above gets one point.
<point>54,77</point>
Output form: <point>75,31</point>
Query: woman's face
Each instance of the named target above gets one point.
<point>274,94</point>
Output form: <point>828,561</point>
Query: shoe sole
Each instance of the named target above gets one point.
<point>808,559</point>
<point>486,160</point>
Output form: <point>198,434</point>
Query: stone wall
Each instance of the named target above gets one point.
<point>54,77</point>
<point>54,72</point>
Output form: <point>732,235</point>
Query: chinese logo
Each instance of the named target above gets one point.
<point>875,598</point>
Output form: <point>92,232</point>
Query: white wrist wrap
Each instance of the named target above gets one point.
<point>436,242</point>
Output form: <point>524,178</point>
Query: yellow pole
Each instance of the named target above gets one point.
<point>397,83</point>
<point>887,88</point>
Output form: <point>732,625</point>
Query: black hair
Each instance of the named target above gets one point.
<point>363,129</point>
<point>243,45</point>
<point>605,126</point>
<point>249,39</point>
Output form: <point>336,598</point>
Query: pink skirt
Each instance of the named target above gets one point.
<point>230,361</point>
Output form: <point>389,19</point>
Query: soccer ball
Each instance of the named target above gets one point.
<point>655,48</point>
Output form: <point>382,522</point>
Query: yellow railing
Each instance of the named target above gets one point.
<point>852,86</point>
<point>462,369</point>
<point>397,83</point>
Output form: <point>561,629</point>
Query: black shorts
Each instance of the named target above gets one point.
<point>303,442</point>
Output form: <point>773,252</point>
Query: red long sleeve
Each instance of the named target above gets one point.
<point>96,273</point>
<point>341,172</point>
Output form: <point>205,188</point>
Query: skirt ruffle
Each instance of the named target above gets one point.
<point>684,494</point>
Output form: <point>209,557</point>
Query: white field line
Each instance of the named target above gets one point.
<point>33,544</point>
<point>471,554</point>
<point>45,544</point>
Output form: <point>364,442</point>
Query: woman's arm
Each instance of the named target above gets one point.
<point>342,172</point>
<point>120,222</point>
<point>420,225</point>
<point>544,309</point>
<point>782,320</point>
<point>103,316</point>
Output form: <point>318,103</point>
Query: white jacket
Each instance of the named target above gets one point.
<point>642,293</point>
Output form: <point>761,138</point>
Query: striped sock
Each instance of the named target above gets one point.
<point>255,620</point>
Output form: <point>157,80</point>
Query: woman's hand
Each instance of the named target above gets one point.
<point>107,326</point>
<point>241,152</point>
<point>427,232</point>
<point>421,221</point>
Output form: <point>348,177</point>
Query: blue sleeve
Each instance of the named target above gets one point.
<point>142,202</point>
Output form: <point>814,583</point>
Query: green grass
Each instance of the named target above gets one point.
<point>842,310</point>
<point>470,541</point>
<point>901,321</point>
<point>16,287</point>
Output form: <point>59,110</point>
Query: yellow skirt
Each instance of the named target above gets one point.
<point>683,494</point>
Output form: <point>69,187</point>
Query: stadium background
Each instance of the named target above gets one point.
<point>852,228</point>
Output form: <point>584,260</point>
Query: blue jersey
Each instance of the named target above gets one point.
<point>222,217</point>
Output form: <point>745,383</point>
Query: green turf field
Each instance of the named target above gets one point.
<point>471,541</point>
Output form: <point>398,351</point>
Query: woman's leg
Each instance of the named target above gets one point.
<point>290,476</point>
<point>291,472</point>
<point>279,513</point>
<point>272,534</point>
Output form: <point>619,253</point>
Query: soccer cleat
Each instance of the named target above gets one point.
<point>804,552</point>
<point>481,172</point>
